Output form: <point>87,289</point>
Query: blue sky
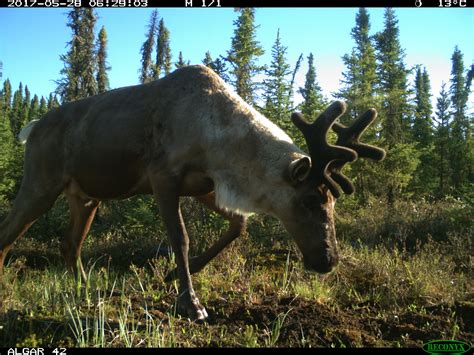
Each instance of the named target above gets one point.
<point>31,40</point>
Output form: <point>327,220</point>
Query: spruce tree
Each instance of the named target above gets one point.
<point>78,74</point>
<point>25,113</point>
<point>422,129</point>
<point>69,86</point>
<point>207,61</point>
<point>147,49</point>
<point>458,90</point>
<point>218,65</point>
<point>52,102</point>
<point>6,151</point>
<point>243,55</point>
<point>359,92</point>
<point>16,112</point>
<point>43,107</point>
<point>163,51</point>
<point>277,87</point>
<point>360,77</point>
<point>293,76</point>
<point>424,179</point>
<point>34,109</point>
<point>17,121</point>
<point>6,98</point>
<point>402,156</point>
<point>393,87</point>
<point>181,62</point>
<point>313,99</point>
<point>102,67</point>
<point>461,145</point>
<point>89,53</point>
<point>442,140</point>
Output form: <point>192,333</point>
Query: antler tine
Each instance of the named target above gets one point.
<point>322,153</point>
<point>349,137</point>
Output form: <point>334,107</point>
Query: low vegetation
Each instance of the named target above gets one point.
<point>405,278</point>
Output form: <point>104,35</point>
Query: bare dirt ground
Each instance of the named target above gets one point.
<point>324,326</point>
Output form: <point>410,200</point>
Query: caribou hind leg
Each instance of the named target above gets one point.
<point>236,228</point>
<point>33,200</point>
<point>82,212</point>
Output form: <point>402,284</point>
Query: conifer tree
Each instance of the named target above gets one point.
<point>243,55</point>
<point>442,140</point>
<point>43,107</point>
<point>393,87</point>
<point>147,49</point>
<point>17,121</point>
<point>78,74</point>
<point>17,111</point>
<point>424,178</point>
<point>218,65</point>
<point>207,61</point>
<point>402,160</point>
<point>25,112</point>
<point>52,102</point>
<point>277,87</point>
<point>163,52</point>
<point>102,65</point>
<point>360,78</point>
<point>6,98</point>
<point>34,109</point>
<point>6,150</point>
<point>313,99</point>
<point>181,62</point>
<point>359,92</point>
<point>293,77</point>
<point>422,124</point>
<point>69,86</point>
<point>87,30</point>
<point>461,145</point>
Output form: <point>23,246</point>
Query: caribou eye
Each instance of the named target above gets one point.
<point>311,202</point>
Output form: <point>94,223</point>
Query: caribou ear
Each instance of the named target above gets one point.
<point>299,169</point>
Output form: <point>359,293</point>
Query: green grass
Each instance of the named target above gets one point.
<point>258,295</point>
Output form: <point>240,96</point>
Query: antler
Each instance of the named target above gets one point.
<point>328,159</point>
<point>322,153</point>
<point>349,137</point>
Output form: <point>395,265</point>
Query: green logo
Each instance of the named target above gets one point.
<point>446,347</point>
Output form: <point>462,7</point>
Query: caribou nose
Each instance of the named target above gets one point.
<point>322,264</point>
<point>320,268</point>
<point>334,259</point>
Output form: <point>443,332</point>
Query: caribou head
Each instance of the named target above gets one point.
<point>316,179</point>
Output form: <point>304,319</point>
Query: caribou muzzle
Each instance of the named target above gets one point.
<point>321,261</point>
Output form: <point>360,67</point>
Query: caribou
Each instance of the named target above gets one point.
<point>187,134</point>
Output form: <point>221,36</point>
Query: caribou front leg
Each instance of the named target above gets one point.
<point>167,198</point>
<point>237,224</point>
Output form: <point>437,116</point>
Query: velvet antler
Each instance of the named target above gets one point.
<point>328,159</point>
<point>349,137</point>
<point>322,153</point>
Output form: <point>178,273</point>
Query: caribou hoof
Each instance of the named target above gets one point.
<point>191,308</point>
